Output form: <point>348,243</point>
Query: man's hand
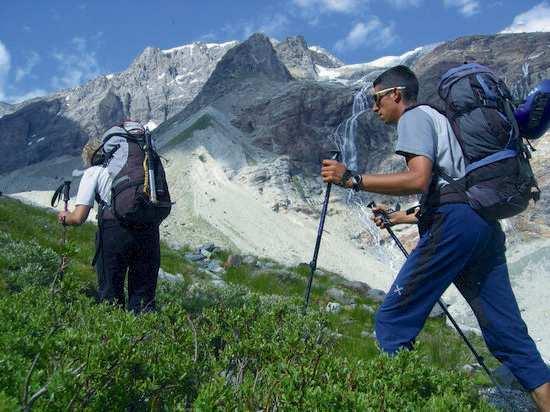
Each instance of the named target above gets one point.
<point>76,217</point>
<point>395,218</point>
<point>62,217</point>
<point>332,172</point>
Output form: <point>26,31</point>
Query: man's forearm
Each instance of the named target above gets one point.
<point>78,216</point>
<point>405,183</point>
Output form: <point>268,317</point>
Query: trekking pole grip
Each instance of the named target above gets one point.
<point>381,214</point>
<point>66,193</point>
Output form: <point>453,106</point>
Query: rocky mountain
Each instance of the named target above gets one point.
<point>157,85</point>
<point>275,112</point>
<point>364,72</point>
<point>322,57</point>
<point>6,108</point>
<point>302,60</point>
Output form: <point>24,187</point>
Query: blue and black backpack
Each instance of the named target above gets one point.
<point>499,181</point>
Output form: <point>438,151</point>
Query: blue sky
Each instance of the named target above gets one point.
<point>50,45</point>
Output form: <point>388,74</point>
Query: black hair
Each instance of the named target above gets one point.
<point>399,76</point>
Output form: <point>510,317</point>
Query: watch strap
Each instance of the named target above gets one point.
<point>356,179</point>
<point>345,177</point>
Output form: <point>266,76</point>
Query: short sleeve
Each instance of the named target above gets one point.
<point>416,135</point>
<point>87,187</point>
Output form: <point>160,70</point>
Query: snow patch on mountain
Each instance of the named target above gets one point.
<point>331,57</point>
<point>195,45</point>
<point>353,72</point>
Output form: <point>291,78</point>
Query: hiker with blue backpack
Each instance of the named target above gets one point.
<point>471,168</point>
<point>126,179</point>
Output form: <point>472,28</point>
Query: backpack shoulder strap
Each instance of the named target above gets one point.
<point>437,109</point>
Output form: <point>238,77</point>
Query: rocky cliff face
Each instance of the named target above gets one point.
<point>296,118</point>
<point>38,131</point>
<point>277,95</point>
<point>296,56</point>
<point>245,73</point>
<point>157,85</point>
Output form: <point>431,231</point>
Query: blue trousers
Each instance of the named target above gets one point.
<point>456,245</point>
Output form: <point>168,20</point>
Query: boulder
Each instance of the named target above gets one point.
<point>376,294</point>
<point>194,257</point>
<point>233,261</point>
<point>215,267</point>
<point>333,307</point>
<point>170,277</point>
<point>360,288</point>
<point>250,260</point>
<point>340,296</point>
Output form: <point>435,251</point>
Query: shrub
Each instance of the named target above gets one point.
<point>206,349</point>
<point>25,263</point>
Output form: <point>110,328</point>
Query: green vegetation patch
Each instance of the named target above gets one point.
<point>207,349</point>
<point>246,346</point>
<point>202,123</point>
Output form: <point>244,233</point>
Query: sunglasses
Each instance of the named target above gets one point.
<point>374,98</point>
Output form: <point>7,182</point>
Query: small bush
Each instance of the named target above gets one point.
<point>206,349</point>
<point>26,263</point>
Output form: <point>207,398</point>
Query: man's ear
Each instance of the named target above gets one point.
<point>398,96</point>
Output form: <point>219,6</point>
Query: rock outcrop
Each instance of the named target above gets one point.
<point>297,57</point>
<point>36,132</point>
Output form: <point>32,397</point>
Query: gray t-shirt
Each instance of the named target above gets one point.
<point>426,132</point>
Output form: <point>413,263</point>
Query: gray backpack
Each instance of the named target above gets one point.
<point>134,167</point>
<point>499,181</point>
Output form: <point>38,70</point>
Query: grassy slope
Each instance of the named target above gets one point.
<point>439,346</point>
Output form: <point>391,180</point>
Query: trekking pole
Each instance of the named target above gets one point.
<point>64,189</point>
<point>151,167</point>
<point>387,223</point>
<point>335,155</point>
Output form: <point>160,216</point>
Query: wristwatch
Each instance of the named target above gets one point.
<point>356,182</point>
<point>345,177</point>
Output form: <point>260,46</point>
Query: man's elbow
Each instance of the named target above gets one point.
<point>81,214</point>
<point>421,184</point>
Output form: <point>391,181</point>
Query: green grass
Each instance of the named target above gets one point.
<point>203,122</point>
<point>441,345</point>
<point>28,223</point>
<point>24,226</point>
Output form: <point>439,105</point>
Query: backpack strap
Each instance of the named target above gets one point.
<point>414,106</point>
<point>434,196</point>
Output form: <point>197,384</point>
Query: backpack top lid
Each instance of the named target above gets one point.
<point>119,135</point>
<point>533,115</point>
<point>455,74</point>
<point>128,128</point>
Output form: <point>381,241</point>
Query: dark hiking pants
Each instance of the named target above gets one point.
<point>457,246</point>
<point>136,252</point>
